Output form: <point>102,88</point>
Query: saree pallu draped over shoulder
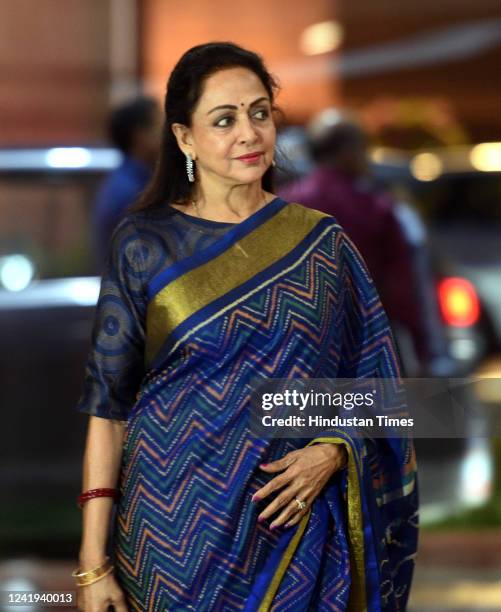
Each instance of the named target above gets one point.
<point>284,294</point>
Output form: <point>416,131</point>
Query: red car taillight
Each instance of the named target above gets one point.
<point>458,302</point>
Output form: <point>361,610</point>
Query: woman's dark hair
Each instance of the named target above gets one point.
<point>184,88</point>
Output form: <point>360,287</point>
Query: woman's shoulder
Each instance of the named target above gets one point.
<point>306,216</point>
<point>304,213</point>
<point>144,225</point>
<point>144,239</point>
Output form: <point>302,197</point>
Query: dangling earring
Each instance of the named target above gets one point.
<point>189,168</point>
<point>273,163</point>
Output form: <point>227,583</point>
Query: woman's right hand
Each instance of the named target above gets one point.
<point>96,597</point>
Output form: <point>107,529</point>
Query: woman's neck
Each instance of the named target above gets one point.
<point>228,205</point>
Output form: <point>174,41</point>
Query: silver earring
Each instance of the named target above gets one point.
<point>189,168</point>
<point>273,163</point>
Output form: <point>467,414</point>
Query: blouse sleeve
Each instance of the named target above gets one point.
<point>115,364</point>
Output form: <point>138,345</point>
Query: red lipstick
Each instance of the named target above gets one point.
<point>251,158</point>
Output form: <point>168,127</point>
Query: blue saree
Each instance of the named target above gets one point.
<point>190,312</point>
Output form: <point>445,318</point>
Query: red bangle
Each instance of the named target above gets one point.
<point>91,493</point>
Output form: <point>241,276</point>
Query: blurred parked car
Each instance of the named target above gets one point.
<point>461,206</point>
<point>458,193</point>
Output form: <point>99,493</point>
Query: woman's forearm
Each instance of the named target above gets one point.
<point>101,466</point>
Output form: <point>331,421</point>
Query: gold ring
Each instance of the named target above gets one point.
<point>301,504</point>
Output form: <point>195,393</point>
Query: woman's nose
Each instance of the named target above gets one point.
<point>247,132</point>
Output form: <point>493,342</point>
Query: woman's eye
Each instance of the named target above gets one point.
<point>262,114</point>
<point>224,122</point>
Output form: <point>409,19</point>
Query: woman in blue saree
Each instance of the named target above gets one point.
<point>211,283</point>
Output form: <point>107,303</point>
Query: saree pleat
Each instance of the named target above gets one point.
<point>284,294</point>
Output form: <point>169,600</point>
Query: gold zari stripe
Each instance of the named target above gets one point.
<point>200,286</point>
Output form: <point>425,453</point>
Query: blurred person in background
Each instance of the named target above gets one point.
<point>340,185</point>
<point>134,129</point>
<point>212,283</point>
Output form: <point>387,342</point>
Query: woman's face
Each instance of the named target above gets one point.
<point>233,118</point>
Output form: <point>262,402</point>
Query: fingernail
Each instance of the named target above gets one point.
<point>272,527</point>
<point>255,498</point>
<point>261,519</point>
<point>264,465</point>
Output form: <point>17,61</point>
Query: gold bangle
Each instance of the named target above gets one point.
<point>85,582</point>
<point>77,573</point>
<point>95,572</point>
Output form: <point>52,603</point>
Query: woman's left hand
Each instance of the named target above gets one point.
<point>306,472</point>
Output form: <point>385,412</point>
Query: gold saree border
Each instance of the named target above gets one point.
<point>286,559</point>
<point>249,255</point>
<point>358,599</point>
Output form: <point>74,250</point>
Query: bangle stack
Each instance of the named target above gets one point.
<point>94,574</point>
<point>92,493</point>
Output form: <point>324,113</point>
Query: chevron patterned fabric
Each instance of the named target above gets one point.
<point>284,294</point>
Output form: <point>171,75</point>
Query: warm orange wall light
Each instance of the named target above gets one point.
<point>274,29</point>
